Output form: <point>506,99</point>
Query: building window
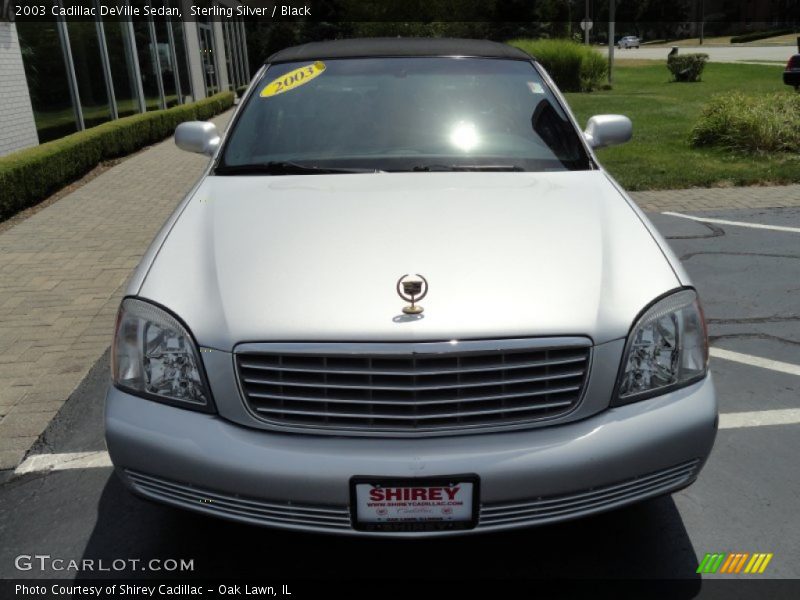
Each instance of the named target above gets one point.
<point>123,74</point>
<point>89,71</point>
<point>206,36</point>
<point>233,80</point>
<point>81,73</point>
<point>243,68</point>
<point>182,60</point>
<point>46,74</point>
<point>146,52</point>
<point>166,59</point>
<point>243,49</point>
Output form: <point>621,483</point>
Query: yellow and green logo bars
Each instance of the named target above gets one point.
<point>734,562</point>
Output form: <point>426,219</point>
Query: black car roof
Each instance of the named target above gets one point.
<point>396,47</point>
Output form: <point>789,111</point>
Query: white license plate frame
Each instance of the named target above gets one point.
<point>415,504</point>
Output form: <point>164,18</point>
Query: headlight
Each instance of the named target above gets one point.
<point>153,355</point>
<point>666,349</point>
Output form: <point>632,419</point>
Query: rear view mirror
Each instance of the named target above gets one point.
<point>201,137</point>
<point>608,130</point>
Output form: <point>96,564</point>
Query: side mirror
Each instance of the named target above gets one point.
<point>608,130</point>
<point>201,137</point>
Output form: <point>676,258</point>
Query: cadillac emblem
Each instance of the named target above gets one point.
<point>412,288</point>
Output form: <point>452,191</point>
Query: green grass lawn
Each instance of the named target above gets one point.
<point>659,155</point>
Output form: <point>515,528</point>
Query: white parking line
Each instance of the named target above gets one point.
<point>60,462</point>
<point>734,223</point>
<point>755,361</point>
<point>759,418</point>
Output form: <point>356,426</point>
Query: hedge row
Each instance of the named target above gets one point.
<point>573,66</point>
<point>759,35</point>
<point>27,177</point>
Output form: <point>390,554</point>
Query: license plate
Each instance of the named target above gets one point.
<point>414,505</point>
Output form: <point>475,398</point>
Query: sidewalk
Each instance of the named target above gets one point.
<point>715,198</point>
<point>63,270</point>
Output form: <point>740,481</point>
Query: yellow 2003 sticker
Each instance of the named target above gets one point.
<point>293,79</point>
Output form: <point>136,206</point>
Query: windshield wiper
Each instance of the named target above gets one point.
<point>284,168</point>
<point>435,167</point>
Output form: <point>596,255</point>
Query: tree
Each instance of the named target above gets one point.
<point>665,19</point>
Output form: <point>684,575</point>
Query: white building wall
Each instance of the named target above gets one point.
<point>17,127</point>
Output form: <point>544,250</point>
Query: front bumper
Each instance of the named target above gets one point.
<point>208,464</point>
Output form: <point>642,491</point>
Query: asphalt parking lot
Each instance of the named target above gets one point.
<point>744,501</point>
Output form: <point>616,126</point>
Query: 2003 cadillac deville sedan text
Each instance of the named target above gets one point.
<point>405,299</point>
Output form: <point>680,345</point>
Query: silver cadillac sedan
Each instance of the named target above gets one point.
<point>405,299</point>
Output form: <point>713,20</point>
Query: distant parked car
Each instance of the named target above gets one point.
<point>629,41</point>
<point>791,76</point>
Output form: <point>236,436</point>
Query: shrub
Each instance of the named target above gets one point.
<point>574,67</point>
<point>766,123</point>
<point>594,69</point>
<point>687,67</point>
<point>758,35</point>
<point>29,176</point>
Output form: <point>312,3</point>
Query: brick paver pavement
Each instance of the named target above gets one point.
<point>711,198</point>
<point>62,272</point>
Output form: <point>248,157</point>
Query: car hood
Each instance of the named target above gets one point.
<point>317,258</point>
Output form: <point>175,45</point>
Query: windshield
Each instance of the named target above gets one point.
<point>402,114</point>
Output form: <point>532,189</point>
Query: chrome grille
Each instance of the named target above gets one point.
<point>410,388</point>
<point>567,506</point>
<point>253,510</point>
<point>337,519</point>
